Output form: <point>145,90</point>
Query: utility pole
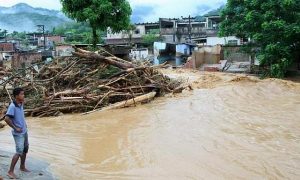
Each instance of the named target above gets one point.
<point>5,35</point>
<point>190,29</point>
<point>42,28</point>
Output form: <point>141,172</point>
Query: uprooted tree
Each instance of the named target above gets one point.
<point>272,25</point>
<point>100,14</point>
<point>85,82</point>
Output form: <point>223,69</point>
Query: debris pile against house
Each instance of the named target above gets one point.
<point>4,72</point>
<point>219,58</point>
<point>86,82</point>
<point>205,55</point>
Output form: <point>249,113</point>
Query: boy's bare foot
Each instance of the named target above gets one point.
<point>1,178</point>
<point>11,175</point>
<point>24,170</point>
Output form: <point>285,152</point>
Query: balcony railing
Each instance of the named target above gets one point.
<point>185,31</point>
<point>167,31</point>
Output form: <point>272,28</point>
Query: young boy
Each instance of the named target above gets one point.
<point>15,118</point>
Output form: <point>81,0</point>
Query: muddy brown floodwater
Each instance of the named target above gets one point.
<point>229,127</point>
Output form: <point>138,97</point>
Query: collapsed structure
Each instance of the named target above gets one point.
<point>85,82</point>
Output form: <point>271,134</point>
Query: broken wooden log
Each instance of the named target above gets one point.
<point>126,103</point>
<point>107,60</point>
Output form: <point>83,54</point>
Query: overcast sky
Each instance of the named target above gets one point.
<point>148,10</point>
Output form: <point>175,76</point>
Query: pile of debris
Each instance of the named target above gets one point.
<point>86,82</point>
<point>4,72</point>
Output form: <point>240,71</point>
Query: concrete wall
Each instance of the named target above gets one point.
<point>7,47</point>
<point>64,50</point>
<point>56,39</point>
<point>183,49</point>
<point>1,60</point>
<point>233,54</point>
<point>169,38</point>
<point>50,40</point>
<point>205,55</point>
<point>212,41</point>
<point>139,54</point>
<point>137,33</point>
<point>25,58</point>
<point>158,46</point>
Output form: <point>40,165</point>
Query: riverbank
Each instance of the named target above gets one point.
<point>39,169</point>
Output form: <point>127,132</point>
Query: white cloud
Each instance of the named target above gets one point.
<point>162,8</point>
<point>175,8</point>
<point>49,4</point>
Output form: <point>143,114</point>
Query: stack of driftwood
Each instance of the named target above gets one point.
<point>4,72</point>
<point>86,82</point>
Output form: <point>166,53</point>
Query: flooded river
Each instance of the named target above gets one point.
<point>227,128</point>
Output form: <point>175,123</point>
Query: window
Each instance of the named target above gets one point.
<point>186,51</point>
<point>233,42</point>
<point>137,31</point>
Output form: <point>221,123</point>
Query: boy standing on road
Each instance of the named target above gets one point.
<point>15,118</point>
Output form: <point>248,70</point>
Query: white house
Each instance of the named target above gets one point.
<point>232,40</point>
<point>139,54</point>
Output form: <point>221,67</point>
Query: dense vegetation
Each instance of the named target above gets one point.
<point>216,12</point>
<point>77,32</point>
<point>272,25</point>
<point>150,38</point>
<point>99,14</point>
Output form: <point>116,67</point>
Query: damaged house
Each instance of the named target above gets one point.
<point>134,36</point>
<point>12,57</point>
<point>180,38</point>
<point>198,30</point>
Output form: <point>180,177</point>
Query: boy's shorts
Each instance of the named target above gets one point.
<point>22,145</point>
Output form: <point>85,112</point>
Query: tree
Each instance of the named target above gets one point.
<point>3,34</point>
<point>152,37</point>
<point>75,32</point>
<point>100,14</point>
<point>274,27</point>
<point>129,32</point>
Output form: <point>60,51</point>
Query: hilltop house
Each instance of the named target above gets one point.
<point>133,36</point>
<point>37,40</point>
<point>198,30</point>
<point>10,52</point>
<point>6,50</point>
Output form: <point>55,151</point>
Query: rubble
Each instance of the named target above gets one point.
<point>85,82</point>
